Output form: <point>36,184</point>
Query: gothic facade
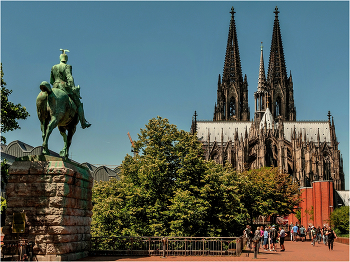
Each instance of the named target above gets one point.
<point>307,150</point>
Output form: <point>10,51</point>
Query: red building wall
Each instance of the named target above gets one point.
<point>316,205</point>
<point>306,206</point>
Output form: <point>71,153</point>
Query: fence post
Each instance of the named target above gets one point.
<point>132,240</point>
<point>239,246</point>
<point>30,246</point>
<point>221,245</point>
<point>255,249</point>
<point>203,246</point>
<point>164,243</point>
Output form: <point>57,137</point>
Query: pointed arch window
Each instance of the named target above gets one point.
<point>327,168</point>
<point>224,110</point>
<point>278,106</point>
<point>232,107</point>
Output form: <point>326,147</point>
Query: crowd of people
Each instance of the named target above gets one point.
<point>268,237</point>
<point>319,235</point>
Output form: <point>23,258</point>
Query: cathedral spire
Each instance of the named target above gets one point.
<point>277,67</point>
<point>261,95</point>
<point>232,66</point>
<point>262,79</point>
<point>232,93</point>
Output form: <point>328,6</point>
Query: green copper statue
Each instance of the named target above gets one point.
<point>60,105</point>
<point>61,77</point>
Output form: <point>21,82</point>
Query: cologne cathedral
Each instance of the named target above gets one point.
<point>307,150</point>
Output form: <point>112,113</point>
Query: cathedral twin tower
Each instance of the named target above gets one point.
<point>307,150</point>
<point>275,92</point>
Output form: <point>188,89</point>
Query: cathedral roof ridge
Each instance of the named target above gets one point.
<point>224,121</point>
<point>307,121</point>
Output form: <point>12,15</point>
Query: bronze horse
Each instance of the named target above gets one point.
<point>56,108</point>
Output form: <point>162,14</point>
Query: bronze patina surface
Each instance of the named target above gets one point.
<point>60,105</point>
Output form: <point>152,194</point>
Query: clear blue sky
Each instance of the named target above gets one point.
<point>137,60</point>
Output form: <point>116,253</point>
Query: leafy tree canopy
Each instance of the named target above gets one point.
<point>4,179</point>
<point>10,112</point>
<point>267,192</point>
<point>339,219</point>
<point>168,189</point>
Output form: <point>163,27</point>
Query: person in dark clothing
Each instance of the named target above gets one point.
<point>273,236</point>
<point>302,231</point>
<point>318,232</point>
<point>248,234</point>
<point>282,235</point>
<point>331,236</point>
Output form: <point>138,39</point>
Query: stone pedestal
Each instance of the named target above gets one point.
<point>56,197</point>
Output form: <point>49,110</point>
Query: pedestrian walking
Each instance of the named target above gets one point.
<point>273,236</point>
<point>261,236</point>
<point>266,238</point>
<point>313,235</point>
<point>309,232</point>
<point>282,235</point>
<point>302,232</point>
<point>325,237</point>
<point>291,231</point>
<point>248,234</point>
<point>318,231</point>
<point>295,232</point>
<point>331,236</point>
<point>256,238</point>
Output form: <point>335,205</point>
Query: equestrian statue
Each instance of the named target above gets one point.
<point>60,105</point>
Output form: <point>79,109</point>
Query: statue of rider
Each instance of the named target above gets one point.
<point>61,77</point>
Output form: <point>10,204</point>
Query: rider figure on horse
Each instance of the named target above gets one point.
<point>61,77</point>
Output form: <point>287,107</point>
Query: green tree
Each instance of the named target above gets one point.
<point>3,206</point>
<point>109,209</point>
<point>167,168</point>
<point>3,210</point>
<point>4,173</point>
<point>10,112</point>
<point>166,189</point>
<point>267,192</point>
<point>298,215</point>
<point>339,219</point>
<point>310,213</point>
<point>4,179</point>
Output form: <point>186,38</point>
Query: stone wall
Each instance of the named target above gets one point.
<point>56,197</point>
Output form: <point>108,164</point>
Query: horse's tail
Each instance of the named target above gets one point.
<point>45,87</point>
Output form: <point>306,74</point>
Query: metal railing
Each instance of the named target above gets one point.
<point>166,246</point>
<point>17,250</point>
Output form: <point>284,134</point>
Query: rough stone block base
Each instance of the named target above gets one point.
<point>56,197</point>
<point>64,257</point>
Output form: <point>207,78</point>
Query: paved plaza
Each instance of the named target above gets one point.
<point>295,251</point>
